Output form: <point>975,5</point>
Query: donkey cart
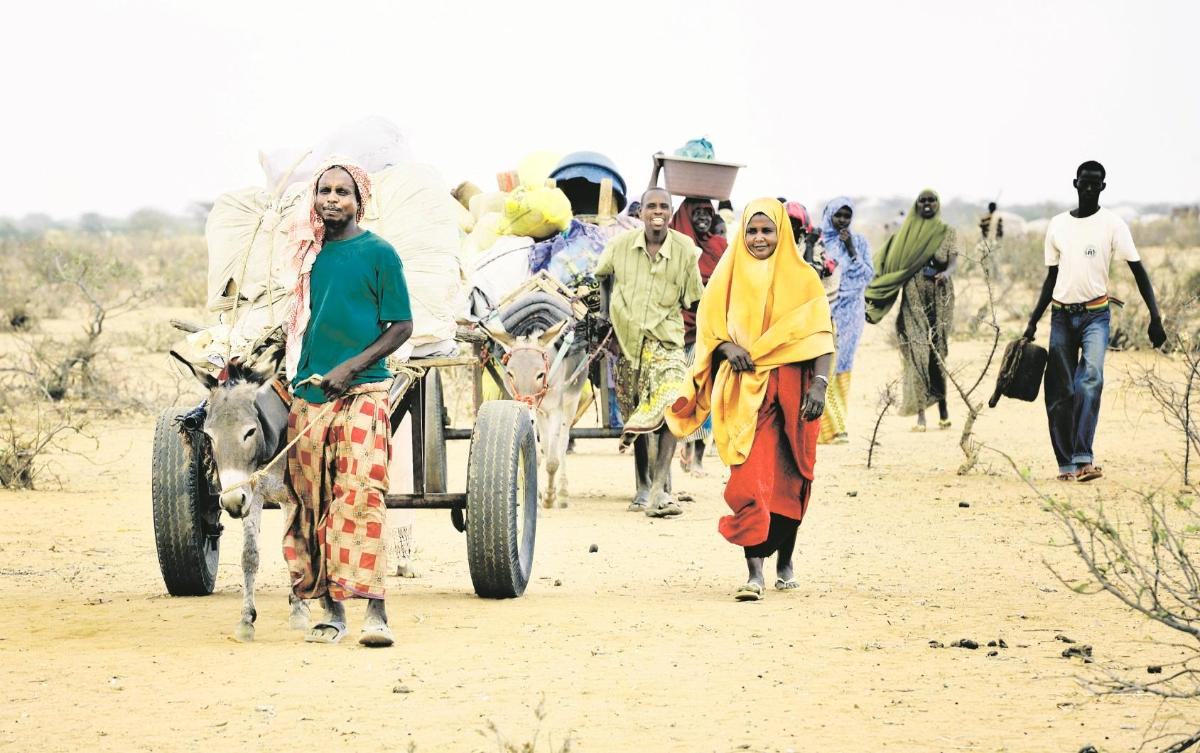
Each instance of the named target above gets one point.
<point>497,511</point>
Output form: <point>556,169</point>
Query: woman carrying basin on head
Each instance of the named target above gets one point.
<point>695,219</point>
<point>764,345</point>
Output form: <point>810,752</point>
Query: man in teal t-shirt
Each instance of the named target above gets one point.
<point>358,313</point>
<point>357,290</point>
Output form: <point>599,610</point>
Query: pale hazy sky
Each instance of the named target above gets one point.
<point>118,105</point>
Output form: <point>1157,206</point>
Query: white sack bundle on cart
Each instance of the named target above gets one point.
<point>250,280</point>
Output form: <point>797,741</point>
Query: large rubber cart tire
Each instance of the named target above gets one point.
<point>501,499</point>
<point>435,434</point>
<point>187,526</point>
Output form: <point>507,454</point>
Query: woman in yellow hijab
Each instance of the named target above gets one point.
<point>764,344</point>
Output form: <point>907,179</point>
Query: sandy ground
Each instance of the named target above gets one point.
<point>637,646</point>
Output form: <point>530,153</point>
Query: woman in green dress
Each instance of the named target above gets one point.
<point>917,264</point>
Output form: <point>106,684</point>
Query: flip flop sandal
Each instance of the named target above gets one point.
<point>786,585</point>
<point>376,636</point>
<point>749,592</point>
<point>1092,475</point>
<point>315,633</point>
<point>638,504</point>
<point>918,429</point>
<point>944,423</point>
<point>1066,477</point>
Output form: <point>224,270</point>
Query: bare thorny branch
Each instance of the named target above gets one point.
<point>1175,401</point>
<point>52,369</point>
<point>24,444</point>
<point>970,447</point>
<point>1152,574</point>
<point>887,398</point>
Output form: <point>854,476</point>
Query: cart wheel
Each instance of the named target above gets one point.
<point>501,499</point>
<point>435,434</point>
<point>186,513</point>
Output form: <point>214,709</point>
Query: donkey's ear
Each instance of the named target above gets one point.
<point>267,363</point>
<point>550,335</point>
<point>501,335</point>
<point>273,357</point>
<point>206,379</point>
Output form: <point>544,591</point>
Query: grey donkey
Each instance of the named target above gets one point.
<point>246,427</point>
<point>554,394</point>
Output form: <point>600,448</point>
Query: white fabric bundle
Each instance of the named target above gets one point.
<point>247,235</point>
<point>375,143</point>
<point>411,208</point>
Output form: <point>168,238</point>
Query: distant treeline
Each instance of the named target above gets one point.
<point>871,212</point>
<point>142,221</point>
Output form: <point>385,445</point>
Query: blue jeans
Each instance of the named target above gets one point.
<point>614,413</point>
<point>1074,381</point>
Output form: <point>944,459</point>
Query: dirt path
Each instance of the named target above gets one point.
<point>638,646</point>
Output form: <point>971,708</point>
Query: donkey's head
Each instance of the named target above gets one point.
<point>528,361</point>
<point>245,422</point>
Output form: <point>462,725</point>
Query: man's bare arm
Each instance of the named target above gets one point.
<point>1157,334</point>
<point>1042,302</point>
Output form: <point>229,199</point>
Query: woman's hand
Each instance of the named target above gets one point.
<point>739,359</point>
<point>814,400</point>
<point>847,241</point>
<point>943,276</point>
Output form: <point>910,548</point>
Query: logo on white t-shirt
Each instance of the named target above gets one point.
<point>1090,250</point>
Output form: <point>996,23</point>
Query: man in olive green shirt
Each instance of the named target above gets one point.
<point>649,276</point>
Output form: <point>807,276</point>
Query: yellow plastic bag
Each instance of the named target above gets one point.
<point>536,212</point>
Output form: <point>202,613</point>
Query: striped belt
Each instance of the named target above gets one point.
<point>1096,304</point>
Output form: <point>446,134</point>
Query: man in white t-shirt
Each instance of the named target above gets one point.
<point>1080,246</point>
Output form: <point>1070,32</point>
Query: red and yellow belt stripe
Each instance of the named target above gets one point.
<point>1096,304</point>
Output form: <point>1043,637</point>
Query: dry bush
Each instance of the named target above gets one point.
<point>92,276</point>
<point>887,398</point>
<point>177,263</point>
<point>156,337</point>
<point>180,264</point>
<point>1173,383</point>
<point>1173,233</point>
<point>1016,269</point>
<point>28,437</point>
<point>1145,562</point>
<point>966,386</point>
<point>1144,559</point>
<point>504,745</point>
<point>1140,548</point>
<point>19,304</point>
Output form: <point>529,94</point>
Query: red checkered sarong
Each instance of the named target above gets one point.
<point>337,478</point>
